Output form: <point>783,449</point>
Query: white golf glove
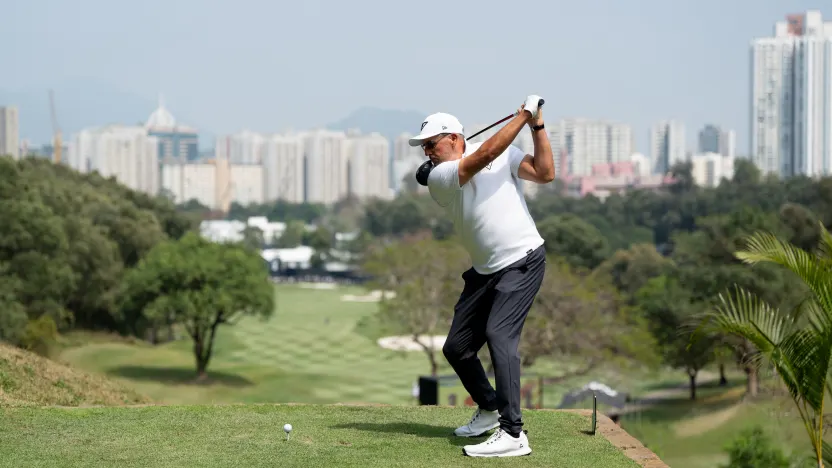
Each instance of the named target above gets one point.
<point>531,104</point>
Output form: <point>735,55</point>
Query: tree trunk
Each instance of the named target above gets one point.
<point>747,352</point>
<point>205,356</point>
<point>428,348</point>
<point>201,369</point>
<point>752,380</point>
<point>199,355</point>
<point>722,380</point>
<point>692,377</point>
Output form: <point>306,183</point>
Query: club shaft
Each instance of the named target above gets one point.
<point>492,125</point>
<point>539,103</point>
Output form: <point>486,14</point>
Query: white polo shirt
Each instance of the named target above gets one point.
<point>489,212</point>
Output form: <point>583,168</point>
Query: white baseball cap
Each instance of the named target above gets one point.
<point>436,124</point>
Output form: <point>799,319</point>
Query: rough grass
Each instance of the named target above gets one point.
<point>252,436</point>
<point>695,434</point>
<point>27,379</point>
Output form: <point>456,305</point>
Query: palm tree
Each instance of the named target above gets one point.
<point>796,343</point>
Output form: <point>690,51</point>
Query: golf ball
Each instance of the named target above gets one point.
<point>287,427</point>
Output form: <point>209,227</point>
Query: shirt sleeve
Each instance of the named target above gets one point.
<point>443,182</point>
<point>515,157</point>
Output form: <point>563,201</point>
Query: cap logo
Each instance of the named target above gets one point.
<point>423,125</point>
<point>444,127</point>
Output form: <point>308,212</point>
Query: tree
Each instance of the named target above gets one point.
<point>578,242</point>
<point>746,174</point>
<point>755,449</point>
<point>279,210</point>
<point>253,238</point>
<point>34,249</point>
<point>797,343</point>
<point>405,214</point>
<point>345,215</point>
<point>67,237</point>
<point>682,173</point>
<point>585,318</point>
<point>630,269</point>
<point>668,308</point>
<point>320,239</point>
<point>293,235</point>
<point>359,245</point>
<point>707,263</point>
<point>12,313</point>
<point>425,276</point>
<point>97,274</point>
<point>201,285</point>
<point>802,224</point>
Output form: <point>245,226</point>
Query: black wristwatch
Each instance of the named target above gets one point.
<point>538,127</point>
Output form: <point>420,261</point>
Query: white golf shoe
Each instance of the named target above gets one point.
<point>480,423</point>
<point>500,444</point>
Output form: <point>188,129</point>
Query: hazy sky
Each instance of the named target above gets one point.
<point>268,65</point>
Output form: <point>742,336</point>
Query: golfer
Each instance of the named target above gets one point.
<point>479,186</point>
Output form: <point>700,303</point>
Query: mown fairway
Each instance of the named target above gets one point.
<point>308,352</point>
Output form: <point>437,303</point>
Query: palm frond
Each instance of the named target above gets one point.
<point>804,364</point>
<point>765,247</point>
<point>807,307</point>
<point>801,356</point>
<point>748,316</point>
<point>823,254</point>
<point>827,453</point>
<point>799,344</point>
<point>825,244</point>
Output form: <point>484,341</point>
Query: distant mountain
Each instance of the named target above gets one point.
<point>390,123</point>
<point>80,104</point>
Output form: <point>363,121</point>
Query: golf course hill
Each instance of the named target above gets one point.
<point>27,379</point>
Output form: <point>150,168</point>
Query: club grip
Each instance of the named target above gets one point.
<point>539,104</point>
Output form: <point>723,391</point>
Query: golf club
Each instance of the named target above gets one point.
<point>424,169</point>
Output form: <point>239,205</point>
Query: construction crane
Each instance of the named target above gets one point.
<point>57,143</point>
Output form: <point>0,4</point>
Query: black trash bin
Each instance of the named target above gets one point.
<point>428,390</point>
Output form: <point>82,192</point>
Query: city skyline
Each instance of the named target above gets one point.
<point>790,133</point>
<point>324,166</point>
<point>646,66</point>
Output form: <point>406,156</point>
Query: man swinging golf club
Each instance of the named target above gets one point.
<point>479,187</point>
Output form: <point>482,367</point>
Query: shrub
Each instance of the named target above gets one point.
<point>754,449</point>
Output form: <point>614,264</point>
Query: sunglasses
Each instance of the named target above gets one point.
<point>430,144</point>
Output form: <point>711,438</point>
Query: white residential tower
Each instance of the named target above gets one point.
<point>791,97</point>
<point>667,145</point>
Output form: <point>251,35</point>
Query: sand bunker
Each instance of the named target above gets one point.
<point>373,296</point>
<point>318,285</point>
<point>407,343</point>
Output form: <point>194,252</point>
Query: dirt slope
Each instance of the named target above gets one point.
<point>27,379</point>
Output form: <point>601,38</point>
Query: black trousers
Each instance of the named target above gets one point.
<point>492,309</point>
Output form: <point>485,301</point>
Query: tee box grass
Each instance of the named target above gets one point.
<point>252,436</point>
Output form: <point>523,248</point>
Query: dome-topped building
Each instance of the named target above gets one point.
<point>160,118</point>
<point>176,142</point>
